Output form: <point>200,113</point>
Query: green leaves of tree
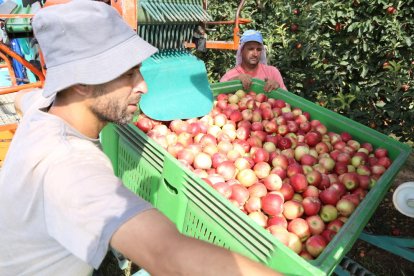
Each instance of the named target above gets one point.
<point>345,55</point>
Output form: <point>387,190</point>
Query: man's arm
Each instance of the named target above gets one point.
<point>245,79</point>
<point>18,101</point>
<point>151,241</point>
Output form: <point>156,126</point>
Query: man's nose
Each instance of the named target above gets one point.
<point>140,86</point>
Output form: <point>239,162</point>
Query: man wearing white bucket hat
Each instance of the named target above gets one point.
<point>251,63</point>
<point>61,206</point>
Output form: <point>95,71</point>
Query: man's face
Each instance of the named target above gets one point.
<point>116,101</point>
<point>251,53</point>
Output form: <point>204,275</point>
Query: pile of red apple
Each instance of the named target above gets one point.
<point>283,169</point>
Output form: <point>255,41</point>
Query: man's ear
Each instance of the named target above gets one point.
<point>83,90</point>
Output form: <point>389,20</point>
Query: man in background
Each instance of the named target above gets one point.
<point>251,63</point>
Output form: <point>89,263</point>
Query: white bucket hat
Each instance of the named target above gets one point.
<point>86,42</point>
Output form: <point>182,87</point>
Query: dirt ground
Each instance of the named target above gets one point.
<point>385,221</point>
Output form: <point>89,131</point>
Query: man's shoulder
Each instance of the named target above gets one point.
<point>235,71</point>
<point>268,67</point>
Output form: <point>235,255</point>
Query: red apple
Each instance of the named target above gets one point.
<point>335,225</point>
<point>262,169</point>
<point>328,234</point>
<point>312,138</point>
<point>315,245</point>
<point>350,180</point>
<point>223,188</point>
<point>253,204</point>
<point>311,205</point>
<point>316,224</point>
<point>292,209</point>
<point>311,191</point>
<point>272,204</point>
<point>300,227</point>
<point>298,182</point>
<point>287,191</point>
<point>257,190</point>
<point>293,169</point>
<point>329,196</point>
<point>280,160</point>
<point>284,143</point>
<point>314,178</point>
<point>381,152</point>
<point>272,182</point>
<point>239,193</point>
<point>280,233</point>
<point>277,220</point>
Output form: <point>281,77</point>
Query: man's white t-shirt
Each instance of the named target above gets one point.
<point>60,201</point>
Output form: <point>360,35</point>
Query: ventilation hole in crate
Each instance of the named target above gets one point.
<point>197,229</point>
<point>136,173</point>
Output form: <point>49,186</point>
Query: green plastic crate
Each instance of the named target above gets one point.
<point>199,211</point>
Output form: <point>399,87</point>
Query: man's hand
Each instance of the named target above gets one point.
<point>151,241</point>
<point>246,81</point>
<point>270,85</point>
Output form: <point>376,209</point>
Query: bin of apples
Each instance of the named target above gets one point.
<point>285,170</point>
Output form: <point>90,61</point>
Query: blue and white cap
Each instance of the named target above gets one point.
<point>251,35</point>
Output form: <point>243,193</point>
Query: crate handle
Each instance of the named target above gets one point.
<point>170,187</point>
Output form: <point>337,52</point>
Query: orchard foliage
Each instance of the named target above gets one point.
<point>353,57</point>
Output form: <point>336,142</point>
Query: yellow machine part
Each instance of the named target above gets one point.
<point>6,137</point>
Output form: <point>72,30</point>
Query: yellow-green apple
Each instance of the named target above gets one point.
<point>259,218</point>
<point>345,207</point>
<point>328,213</point>
<point>292,209</point>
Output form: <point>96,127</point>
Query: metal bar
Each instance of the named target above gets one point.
<point>169,9</point>
<point>10,127</point>
<point>197,7</point>
<point>178,15</point>
<point>10,68</point>
<point>397,246</point>
<point>183,10</point>
<point>196,12</point>
<point>220,45</point>
<point>236,30</point>
<point>229,22</point>
<point>27,64</point>
<point>190,13</point>
<point>150,9</point>
<point>16,88</point>
<point>28,15</point>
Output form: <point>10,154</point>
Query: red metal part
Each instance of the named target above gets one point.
<point>5,53</point>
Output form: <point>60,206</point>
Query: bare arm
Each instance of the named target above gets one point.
<point>18,101</point>
<point>151,241</point>
<point>245,79</point>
